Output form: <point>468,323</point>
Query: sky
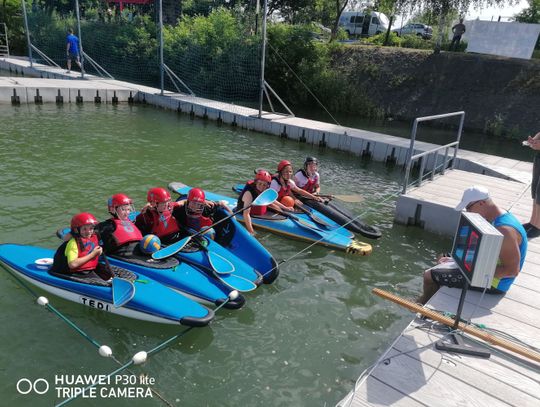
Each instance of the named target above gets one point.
<point>494,12</point>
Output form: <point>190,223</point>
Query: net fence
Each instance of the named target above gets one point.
<point>213,52</point>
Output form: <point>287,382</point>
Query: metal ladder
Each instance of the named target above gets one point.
<point>4,44</point>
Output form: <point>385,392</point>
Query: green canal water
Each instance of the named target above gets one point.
<point>302,341</point>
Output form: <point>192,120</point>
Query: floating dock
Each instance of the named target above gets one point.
<point>412,372</point>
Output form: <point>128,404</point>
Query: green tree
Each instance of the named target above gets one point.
<point>530,15</point>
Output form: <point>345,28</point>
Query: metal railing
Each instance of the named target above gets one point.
<point>99,69</point>
<point>175,80</point>
<point>435,166</point>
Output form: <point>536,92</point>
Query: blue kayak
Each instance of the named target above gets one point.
<point>149,301</point>
<point>297,225</point>
<point>234,242</point>
<point>337,213</point>
<point>210,256</point>
<point>191,281</point>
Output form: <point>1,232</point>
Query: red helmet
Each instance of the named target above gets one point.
<point>263,175</point>
<point>282,164</point>
<point>158,195</point>
<point>118,200</point>
<point>82,219</point>
<point>195,202</point>
<point>196,195</point>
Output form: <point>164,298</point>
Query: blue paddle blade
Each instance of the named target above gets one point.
<point>219,263</point>
<point>236,282</point>
<point>123,291</point>
<point>171,249</point>
<point>267,197</point>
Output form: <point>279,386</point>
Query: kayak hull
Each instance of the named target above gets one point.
<point>189,280</point>
<point>152,301</point>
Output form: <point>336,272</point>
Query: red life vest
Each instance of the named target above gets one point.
<point>255,210</point>
<point>125,232</point>
<point>198,222</point>
<point>283,190</point>
<point>87,245</point>
<point>311,183</point>
<point>163,224</point>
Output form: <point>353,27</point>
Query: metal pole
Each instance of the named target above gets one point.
<point>460,130</point>
<point>161,73</point>
<point>29,44</point>
<point>81,52</point>
<point>263,55</point>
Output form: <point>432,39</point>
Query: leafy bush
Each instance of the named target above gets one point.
<point>393,39</point>
<point>417,42</point>
<point>215,55</point>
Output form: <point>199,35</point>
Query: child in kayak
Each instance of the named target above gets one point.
<point>156,217</point>
<point>283,184</point>
<point>308,178</point>
<point>118,234</point>
<point>252,190</point>
<point>78,258</point>
<point>170,221</point>
<point>199,214</point>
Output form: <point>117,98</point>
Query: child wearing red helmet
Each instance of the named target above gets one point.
<point>156,217</point>
<point>78,258</point>
<point>170,221</point>
<point>251,191</point>
<point>118,234</point>
<point>198,213</point>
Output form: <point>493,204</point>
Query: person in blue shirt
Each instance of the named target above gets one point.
<point>72,50</point>
<point>476,199</point>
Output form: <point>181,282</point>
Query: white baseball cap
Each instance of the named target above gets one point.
<point>472,194</point>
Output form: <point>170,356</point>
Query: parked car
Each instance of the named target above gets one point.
<point>365,24</point>
<point>320,32</point>
<point>422,30</point>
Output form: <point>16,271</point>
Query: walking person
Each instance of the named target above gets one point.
<point>458,30</point>
<point>72,50</point>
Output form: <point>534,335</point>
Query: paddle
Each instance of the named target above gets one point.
<point>299,221</point>
<point>123,291</point>
<point>230,280</point>
<point>218,263</point>
<point>315,218</point>
<point>353,198</point>
<point>265,198</point>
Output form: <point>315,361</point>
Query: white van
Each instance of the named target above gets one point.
<point>363,24</point>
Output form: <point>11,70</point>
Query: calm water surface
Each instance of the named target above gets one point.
<point>302,341</point>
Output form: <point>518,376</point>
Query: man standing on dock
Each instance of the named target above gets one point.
<point>72,50</point>
<point>476,199</point>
